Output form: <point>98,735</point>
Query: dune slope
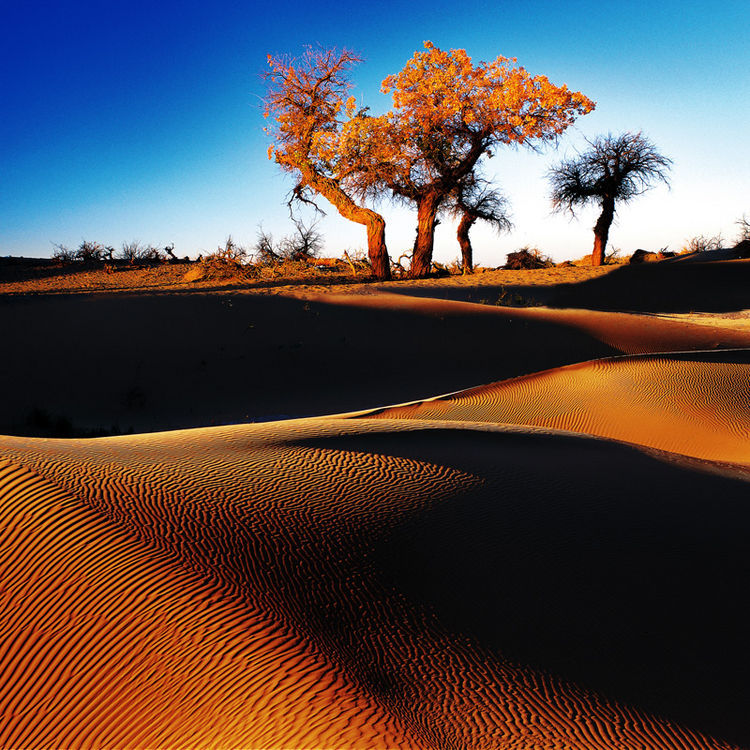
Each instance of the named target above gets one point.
<point>138,363</point>
<point>696,404</point>
<point>368,583</point>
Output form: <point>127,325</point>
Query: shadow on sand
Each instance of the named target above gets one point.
<point>719,286</point>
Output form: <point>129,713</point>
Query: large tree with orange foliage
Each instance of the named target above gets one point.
<point>447,114</point>
<point>308,105</point>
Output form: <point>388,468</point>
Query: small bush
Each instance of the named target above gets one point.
<point>615,257</point>
<point>702,244</point>
<point>305,243</point>
<point>62,254</point>
<point>527,258</point>
<point>90,252</point>
<point>230,260</point>
<point>744,234</point>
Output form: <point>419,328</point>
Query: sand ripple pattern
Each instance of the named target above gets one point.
<point>695,404</point>
<point>247,587</point>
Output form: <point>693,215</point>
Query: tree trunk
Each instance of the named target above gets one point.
<point>376,248</point>
<point>377,251</point>
<point>462,233</point>
<point>421,260</point>
<point>601,230</point>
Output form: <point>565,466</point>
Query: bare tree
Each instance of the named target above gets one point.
<point>475,200</point>
<point>614,168</point>
<point>305,243</point>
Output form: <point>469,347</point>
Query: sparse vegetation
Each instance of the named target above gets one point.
<point>134,252</point>
<point>744,229</point>
<point>94,253</point>
<point>62,254</point>
<point>527,258</point>
<point>701,244</point>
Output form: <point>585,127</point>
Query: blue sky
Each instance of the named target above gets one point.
<point>143,120</point>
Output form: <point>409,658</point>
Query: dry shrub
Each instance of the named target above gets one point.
<point>228,262</point>
<point>701,244</point>
<point>357,262</point>
<point>305,243</point>
<point>527,258</point>
<point>134,252</point>
<point>62,254</point>
<point>744,234</point>
<point>265,252</point>
<point>90,252</point>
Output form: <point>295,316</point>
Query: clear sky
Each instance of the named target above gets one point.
<point>142,120</point>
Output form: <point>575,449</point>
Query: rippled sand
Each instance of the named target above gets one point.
<point>695,404</point>
<point>556,560</point>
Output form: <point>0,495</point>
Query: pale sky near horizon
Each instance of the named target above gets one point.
<point>142,121</point>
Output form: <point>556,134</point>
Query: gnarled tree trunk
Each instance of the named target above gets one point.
<point>377,251</point>
<point>462,234</point>
<point>421,260</point>
<point>601,230</point>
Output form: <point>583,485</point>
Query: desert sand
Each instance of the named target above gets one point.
<point>422,519</point>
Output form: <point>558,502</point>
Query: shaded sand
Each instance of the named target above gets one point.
<point>369,583</point>
<point>696,404</point>
<point>623,332</point>
<point>141,363</point>
<point>667,286</point>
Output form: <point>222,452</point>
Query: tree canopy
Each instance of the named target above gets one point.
<point>614,168</point>
<point>447,113</point>
<point>308,105</point>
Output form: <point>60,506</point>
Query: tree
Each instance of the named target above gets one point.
<point>474,200</point>
<point>307,100</point>
<point>614,168</point>
<point>447,114</point>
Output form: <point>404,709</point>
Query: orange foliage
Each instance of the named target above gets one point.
<point>306,99</point>
<point>309,104</point>
<point>447,114</point>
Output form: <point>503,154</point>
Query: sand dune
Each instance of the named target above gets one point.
<point>696,404</point>
<point>368,583</point>
<point>555,558</point>
<point>139,363</point>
